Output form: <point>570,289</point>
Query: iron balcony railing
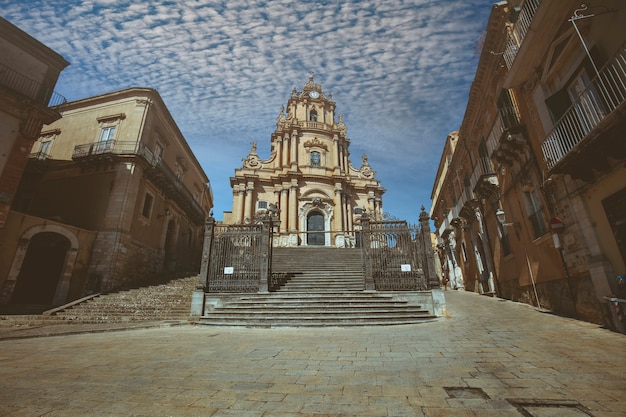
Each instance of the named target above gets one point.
<point>21,84</point>
<point>506,118</point>
<point>483,167</point>
<point>41,155</point>
<point>122,148</point>
<point>604,94</point>
<point>518,33</point>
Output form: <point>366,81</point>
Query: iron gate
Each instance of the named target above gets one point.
<point>392,256</point>
<point>236,258</point>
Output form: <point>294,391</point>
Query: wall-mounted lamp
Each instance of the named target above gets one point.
<point>502,219</point>
<point>166,213</point>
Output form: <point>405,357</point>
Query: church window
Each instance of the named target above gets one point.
<point>316,159</point>
<point>313,116</point>
<point>262,205</point>
<point>358,210</point>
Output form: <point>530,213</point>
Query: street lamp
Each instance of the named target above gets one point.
<point>502,219</point>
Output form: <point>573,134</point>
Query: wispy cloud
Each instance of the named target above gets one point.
<point>398,70</point>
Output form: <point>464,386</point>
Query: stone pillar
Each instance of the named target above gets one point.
<point>294,149</point>
<point>240,203</point>
<point>279,152</point>
<point>249,191</point>
<point>197,298</point>
<point>284,210</point>
<point>264,267</point>
<point>293,206</point>
<point>338,207</point>
<point>365,235</point>
<point>336,152</point>
<point>350,215</point>
<point>429,269</point>
<point>286,150</point>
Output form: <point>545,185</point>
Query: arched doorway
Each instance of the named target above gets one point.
<point>41,269</point>
<point>315,229</point>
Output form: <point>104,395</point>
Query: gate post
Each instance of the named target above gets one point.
<point>429,260</point>
<point>270,220</point>
<point>266,243</point>
<point>197,298</point>
<point>366,247</point>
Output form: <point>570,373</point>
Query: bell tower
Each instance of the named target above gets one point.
<point>308,176</point>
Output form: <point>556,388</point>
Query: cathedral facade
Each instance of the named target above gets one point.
<point>309,177</point>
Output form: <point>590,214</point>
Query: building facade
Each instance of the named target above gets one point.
<point>112,196</point>
<point>536,188</point>
<point>28,73</point>
<point>309,177</point>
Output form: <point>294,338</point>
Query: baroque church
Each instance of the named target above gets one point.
<point>308,176</point>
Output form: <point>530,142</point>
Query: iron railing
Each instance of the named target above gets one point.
<point>123,148</point>
<point>518,33</point>
<point>39,155</point>
<point>235,258</point>
<point>28,87</point>
<point>604,94</point>
<point>393,257</point>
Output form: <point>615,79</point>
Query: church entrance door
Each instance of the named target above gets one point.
<point>315,228</point>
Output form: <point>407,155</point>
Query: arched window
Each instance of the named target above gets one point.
<point>313,116</point>
<point>316,159</point>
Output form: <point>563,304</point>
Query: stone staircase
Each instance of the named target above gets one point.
<point>326,288</point>
<point>165,302</point>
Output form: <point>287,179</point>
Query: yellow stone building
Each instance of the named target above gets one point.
<point>308,176</point>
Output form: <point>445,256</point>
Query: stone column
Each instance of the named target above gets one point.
<point>248,209</point>
<point>284,210</point>
<point>370,205</point>
<point>294,148</point>
<point>279,152</point>
<point>286,150</point>
<point>338,207</point>
<point>349,215</point>
<point>293,206</point>
<point>241,189</point>
<point>336,152</point>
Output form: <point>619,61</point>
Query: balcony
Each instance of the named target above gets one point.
<point>519,31</point>
<point>315,126</point>
<point>484,179</point>
<point>507,142</point>
<point>156,170</point>
<point>19,83</point>
<point>596,111</point>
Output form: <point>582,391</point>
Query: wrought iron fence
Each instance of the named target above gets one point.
<point>392,256</point>
<point>235,258</point>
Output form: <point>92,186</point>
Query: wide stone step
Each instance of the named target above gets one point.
<point>311,321</point>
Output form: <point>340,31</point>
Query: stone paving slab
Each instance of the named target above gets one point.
<point>490,357</point>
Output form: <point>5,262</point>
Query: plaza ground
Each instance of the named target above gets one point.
<point>489,357</point>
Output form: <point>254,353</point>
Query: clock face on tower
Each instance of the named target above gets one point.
<point>314,94</point>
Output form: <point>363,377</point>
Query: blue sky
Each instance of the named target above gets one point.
<point>399,71</point>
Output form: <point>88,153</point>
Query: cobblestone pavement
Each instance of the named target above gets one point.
<point>490,357</point>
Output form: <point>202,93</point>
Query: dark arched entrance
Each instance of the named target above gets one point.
<point>315,229</point>
<point>41,270</point>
